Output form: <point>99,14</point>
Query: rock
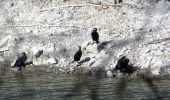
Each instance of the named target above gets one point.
<point>115,1</point>
<point>84,60</point>
<point>102,45</point>
<point>91,63</point>
<point>51,61</point>
<point>15,69</point>
<point>86,44</point>
<point>127,28</point>
<point>1,59</point>
<point>36,49</point>
<point>166,69</point>
<point>109,74</point>
<point>5,43</point>
<point>96,2</point>
<point>63,62</point>
<point>97,71</point>
<point>61,70</point>
<point>67,14</point>
<point>147,50</point>
<point>91,49</point>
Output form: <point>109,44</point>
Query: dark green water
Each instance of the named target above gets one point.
<point>48,86</point>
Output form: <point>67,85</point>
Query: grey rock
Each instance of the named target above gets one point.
<point>96,2</point>
<point>109,74</point>
<point>1,59</point>
<point>127,26</point>
<point>115,1</point>
<point>102,45</point>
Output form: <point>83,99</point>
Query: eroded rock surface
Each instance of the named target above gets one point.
<point>138,29</point>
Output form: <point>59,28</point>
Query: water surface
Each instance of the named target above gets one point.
<point>57,86</point>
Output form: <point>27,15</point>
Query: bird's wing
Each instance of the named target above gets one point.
<point>97,35</point>
<point>76,54</point>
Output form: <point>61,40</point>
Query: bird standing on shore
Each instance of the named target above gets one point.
<point>95,35</point>
<point>121,64</point>
<point>20,62</point>
<point>124,67</point>
<point>77,55</point>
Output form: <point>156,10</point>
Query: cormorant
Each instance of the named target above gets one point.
<point>77,55</point>
<point>95,35</point>
<point>20,62</point>
<point>124,66</point>
<point>38,54</point>
<point>129,70</point>
<point>122,63</point>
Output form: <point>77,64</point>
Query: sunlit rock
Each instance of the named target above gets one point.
<point>138,29</point>
<point>109,74</point>
<point>1,59</point>
<point>51,61</point>
<point>97,2</point>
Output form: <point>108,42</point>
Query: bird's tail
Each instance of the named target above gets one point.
<point>72,61</point>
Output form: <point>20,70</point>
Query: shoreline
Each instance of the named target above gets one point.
<point>93,72</point>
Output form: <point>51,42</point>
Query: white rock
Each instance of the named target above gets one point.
<point>91,49</point>
<point>51,61</point>
<point>107,68</point>
<point>147,50</point>
<point>155,70</point>
<point>1,59</point>
<point>14,69</point>
<point>109,74</point>
<point>35,49</point>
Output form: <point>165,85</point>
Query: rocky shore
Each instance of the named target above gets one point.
<point>138,29</point>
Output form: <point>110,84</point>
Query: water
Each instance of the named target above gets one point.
<point>48,86</point>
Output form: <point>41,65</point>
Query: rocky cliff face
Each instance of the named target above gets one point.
<point>138,29</point>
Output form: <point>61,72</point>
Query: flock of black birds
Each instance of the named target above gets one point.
<point>122,64</point>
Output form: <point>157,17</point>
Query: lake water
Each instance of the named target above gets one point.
<point>55,86</point>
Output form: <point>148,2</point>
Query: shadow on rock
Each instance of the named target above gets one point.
<point>98,72</point>
<point>83,61</point>
<point>102,45</point>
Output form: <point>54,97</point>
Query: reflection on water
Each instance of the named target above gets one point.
<point>42,85</point>
<point>121,88</point>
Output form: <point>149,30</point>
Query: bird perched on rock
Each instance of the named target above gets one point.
<point>124,67</point>
<point>122,63</point>
<point>77,55</point>
<point>38,54</point>
<point>95,35</point>
<point>20,61</point>
<point>129,70</point>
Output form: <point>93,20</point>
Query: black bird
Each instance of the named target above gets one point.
<point>77,55</point>
<point>38,54</point>
<point>124,67</point>
<point>20,62</point>
<point>129,70</point>
<point>95,35</point>
<point>122,63</point>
